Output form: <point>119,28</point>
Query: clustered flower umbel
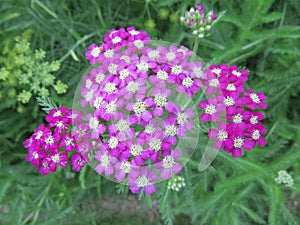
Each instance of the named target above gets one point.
<point>284,178</point>
<point>30,72</point>
<point>197,21</point>
<point>241,129</point>
<point>130,89</point>
<point>129,96</point>
<point>51,146</point>
<point>176,183</point>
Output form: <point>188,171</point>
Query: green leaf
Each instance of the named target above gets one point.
<point>253,215</point>
<point>271,17</point>
<point>276,198</point>
<point>8,16</point>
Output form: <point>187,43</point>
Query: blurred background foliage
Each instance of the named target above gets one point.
<point>261,35</point>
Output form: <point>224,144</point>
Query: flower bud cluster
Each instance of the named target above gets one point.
<point>284,178</point>
<point>176,183</point>
<point>199,22</point>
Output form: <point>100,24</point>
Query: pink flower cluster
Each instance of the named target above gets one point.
<point>50,146</point>
<point>196,20</point>
<point>137,96</point>
<point>130,89</point>
<point>224,86</point>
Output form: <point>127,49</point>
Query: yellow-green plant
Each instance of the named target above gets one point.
<point>24,72</point>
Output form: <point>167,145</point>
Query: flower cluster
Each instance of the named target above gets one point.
<point>176,183</point>
<point>131,88</point>
<point>28,69</point>
<point>140,123</point>
<point>284,178</point>
<point>197,21</point>
<point>224,87</point>
<point>50,146</point>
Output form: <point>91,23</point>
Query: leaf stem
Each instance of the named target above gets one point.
<point>36,215</point>
<point>196,45</point>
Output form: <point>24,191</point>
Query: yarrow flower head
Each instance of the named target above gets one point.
<point>51,146</point>
<point>284,178</point>
<point>129,96</point>
<point>134,120</point>
<point>199,22</point>
<point>224,86</point>
<point>176,183</point>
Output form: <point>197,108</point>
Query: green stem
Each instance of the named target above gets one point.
<point>36,215</point>
<point>165,199</point>
<point>148,11</point>
<point>196,45</point>
<point>83,39</point>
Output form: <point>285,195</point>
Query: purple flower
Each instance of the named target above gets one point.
<point>114,145</point>
<point>158,145</point>
<point>142,67</point>
<point>200,8</point>
<point>93,53</point>
<point>95,126</point>
<point>236,142</point>
<point>232,89</point>
<point>236,75</point>
<point>82,132</point>
<point>212,109</point>
<point>176,69</point>
<point>149,128</point>
<point>142,178</point>
<point>140,109</point>
<point>122,168</point>
<point>161,76</point>
<point>168,166</point>
<point>84,147</point>
<point>77,162</point>
<point>109,108</point>
<point>188,85</point>
<point>256,132</point>
<point>213,16</point>
<point>182,119</point>
<point>50,142</point>
<point>211,81</point>
<point>151,54</point>
<point>237,118</point>
<point>134,87</point>
<point>97,75</point>
<point>220,134</point>
<point>60,159</point>
<point>252,118</point>
<point>75,117</point>
<point>116,38</point>
<point>169,125</point>
<point>161,96</point>
<point>137,39</point>
<point>35,156</point>
<point>39,134</point>
<point>46,166</point>
<point>253,100</point>
<point>68,142</point>
<point>106,162</point>
<point>137,151</point>
<point>110,84</point>
<point>88,94</point>
<point>169,56</point>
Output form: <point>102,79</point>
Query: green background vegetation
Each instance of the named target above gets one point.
<point>261,35</point>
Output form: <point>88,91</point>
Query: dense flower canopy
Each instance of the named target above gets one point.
<point>136,112</point>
